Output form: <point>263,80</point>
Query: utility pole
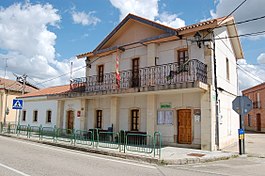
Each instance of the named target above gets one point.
<point>24,77</point>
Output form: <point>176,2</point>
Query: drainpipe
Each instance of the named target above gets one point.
<point>216,96</point>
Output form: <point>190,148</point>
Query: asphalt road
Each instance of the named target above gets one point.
<point>23,158</point>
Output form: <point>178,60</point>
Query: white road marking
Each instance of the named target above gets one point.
<point>14,170</point>
<point>82,154</point>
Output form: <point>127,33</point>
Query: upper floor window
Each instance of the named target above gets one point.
<point>182,56</point>
<point>24,113</point>
<point>49,116</point>
<point>135,120</point>
<point>249,120</point>
<point>100,73</point>
<point>227,69</point>
<point>99,119</point>
<point>35,116</point>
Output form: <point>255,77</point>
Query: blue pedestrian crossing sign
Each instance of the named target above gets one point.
<point>17,104</point>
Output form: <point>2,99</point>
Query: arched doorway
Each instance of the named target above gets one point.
<point>258,122</point>
<point>70,120</point>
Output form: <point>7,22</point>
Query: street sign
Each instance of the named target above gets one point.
<point>242,105</point>
<point>17,104</point>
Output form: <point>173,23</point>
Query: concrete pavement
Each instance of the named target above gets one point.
<point>254,145</point>
<point>26,158</point>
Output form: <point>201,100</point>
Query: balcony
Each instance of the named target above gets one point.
<point>161,77</point>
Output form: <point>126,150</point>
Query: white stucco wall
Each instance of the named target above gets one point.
<point>180,101</point>
<point>126,105</point>
<point>228,118</point>
<point>42,106</point>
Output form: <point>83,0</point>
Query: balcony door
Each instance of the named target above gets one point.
<point>135,72</point>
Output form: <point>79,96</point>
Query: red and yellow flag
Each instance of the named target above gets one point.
<point>118,78</point>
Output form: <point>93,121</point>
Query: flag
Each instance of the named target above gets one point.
<point>118,78</point>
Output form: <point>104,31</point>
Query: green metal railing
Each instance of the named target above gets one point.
<point>11,128</point>
<point>123,141</point>
<point>65,135</point>
<point>157,144</point>
<point>84,137</point>
<point>108,139</point>
<point>142,143</point>
<point>23,130</point>
<point>34,131</point>
<point>48,133</point>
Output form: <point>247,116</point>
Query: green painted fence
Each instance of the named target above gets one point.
<point>123,141</point>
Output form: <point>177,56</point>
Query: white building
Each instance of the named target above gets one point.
<point>170,81</point>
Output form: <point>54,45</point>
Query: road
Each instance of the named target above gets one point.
<point>23,158</point>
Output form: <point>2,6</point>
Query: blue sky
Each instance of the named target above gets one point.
<point>47,34</point>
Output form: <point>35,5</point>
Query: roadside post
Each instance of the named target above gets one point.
<point>242,105</point>
<point>17,105</point>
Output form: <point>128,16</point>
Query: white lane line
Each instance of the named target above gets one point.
<point>14,170</point>
<point>82,154</point>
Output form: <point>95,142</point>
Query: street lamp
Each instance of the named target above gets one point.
<point>197,37</point>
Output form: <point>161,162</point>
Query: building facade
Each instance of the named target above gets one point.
<point>146,77</point>
<point>9,90</point>
<point>255,119</point>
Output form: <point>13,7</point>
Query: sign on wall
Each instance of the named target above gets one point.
<point>165,117</point>
<point>165,105</point>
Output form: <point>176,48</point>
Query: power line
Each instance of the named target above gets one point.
<point>226,17</point>
<point>243,35</point>
<point>242,22</point>
<point>61,75</point>
<point>249,74</point>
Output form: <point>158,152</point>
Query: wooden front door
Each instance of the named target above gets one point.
<point>70,119</point>
<point>135,72</point>
<point>258,122</point>
<point>184,126</point>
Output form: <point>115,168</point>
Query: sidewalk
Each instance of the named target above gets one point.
<point>254,145</point>
<point>169,155</point>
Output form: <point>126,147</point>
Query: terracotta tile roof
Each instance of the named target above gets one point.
<point>203,23</point>
<point>48,91</point>
<point>15,86</point>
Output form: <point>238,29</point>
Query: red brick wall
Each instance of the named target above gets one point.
<point>252,94</point>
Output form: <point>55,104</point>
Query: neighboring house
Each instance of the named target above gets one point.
<point>9,90</point>
<point>255,119</point>
<point>38,110</point>
<point>146,77</point>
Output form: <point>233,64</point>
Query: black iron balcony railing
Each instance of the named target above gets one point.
<point>160,75</point>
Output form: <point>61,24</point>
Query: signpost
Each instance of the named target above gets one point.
<point>242,105</point>
<point>17,105</point>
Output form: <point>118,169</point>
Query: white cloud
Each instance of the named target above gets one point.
<point>253,74</point>
<point>144,8</point>
<point>171,20</point>
<point>250,9</point>
<point>250,75</point>
<point>261,58</point>
<point>148,9</point>
<point>85,18</point>
<point>28,44</point>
